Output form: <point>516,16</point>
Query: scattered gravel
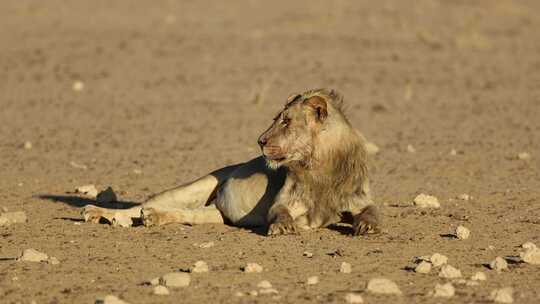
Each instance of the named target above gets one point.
<point>499,264</point>
<point>423,267</point>
<point>383,286</point>
<point>444,290</point>
<point>161,290</point>
<point>426,201</point>
<point>8,218</point>
<point>345,268</point>
<point>88,190</point>
<point>199,267</point>
<point>32,255</point>
<point>312,280</point>
<point>438,259</point>
<point>106,196</point>
<point>479,276</point>
<point>449,272</point>
<point>175,279</point>
<point>462,232</point>
<point>354,298</point>
<point>503,295</point>
<point>110,299</point>
<point>252,267</point>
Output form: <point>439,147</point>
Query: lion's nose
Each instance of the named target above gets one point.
<point>262,141</point>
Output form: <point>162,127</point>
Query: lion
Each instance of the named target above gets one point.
<point>312,173</point>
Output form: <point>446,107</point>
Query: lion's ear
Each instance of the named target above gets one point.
<point>293,97</point>
<point>318,104</point>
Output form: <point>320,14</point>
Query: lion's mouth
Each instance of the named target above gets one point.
<point>273,153</point>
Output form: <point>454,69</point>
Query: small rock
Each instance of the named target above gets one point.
<point>32,255</point>
<point>531,256</point>
<point>371,148</point>
<point>53,261</point>
<point>78,165</point>
<point>200,266</point>
<point>444,290</point>
<point>78,86</point>
<point>307,254</point>
<point>453,152</point>
<point>106,196</point>
<point>253,267</point>
<point>449,272</point>
<point>426,201</point>
<point>27,145</point>
<point>503,295</point>
<point>462,232</point>
<point>253,293</point>
<point>528,245</point>
<point>9,218</point>
<point>464,197</point>
<point>110,299</point>
<point>312,280</point>
<point>345,268</point>
<point>490,247</point>
<point>472,283</point>
<point>438,259</point>
<point>137,171</point>
<point>154,281</point>
<point>268,291</point>
<point>423,267</point>
<point>383,286</point>
<point>161,290</point>
<point>206,245</point>
<point>499,264</point>
<point>264,284</point>
<point>239,294</point>
<point>479,276</point>
<point>411,149</point>
<point>88,190</point>
<point>354,298</point>
<point>175,279</point>
<point>524,156</point>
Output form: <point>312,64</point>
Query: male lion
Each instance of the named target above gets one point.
<point>313,173</point>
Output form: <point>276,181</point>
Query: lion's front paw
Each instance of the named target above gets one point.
<point>281,228</point>
<point>367,222</point>
<point>92,214</point>
<point>152,217</point>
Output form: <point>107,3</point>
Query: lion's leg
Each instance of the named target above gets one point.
<point>160,216</point>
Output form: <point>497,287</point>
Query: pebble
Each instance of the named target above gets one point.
<point>78,165</point>
<point>106,196</point>
<point>345,268</point>
<point>154,281</point>
<point>354,298</point>
<point>411,149</point>
<point>268,291</point>
<point>27,145</point>
<point>524,156</point>
<point>423,267</point>
<point>200,266</point>
<point>78,86</point>
<point>312,280</point>
<point>531,256</point>
<point>110,299</point>
<point>253,267</point>
<point>444,290</point>
<point>307,254</point>
<point>472,283</point>
<point>462,232</point>
<point>453,152</point>
<point>371,148</point>
<point>499,264</point>
<point>503,295</point>
<point>479,276</point>
<point>528,245</point>
<point>383,286</point>
<point>137,171</point>
<point>161,290</point>
<point>175,279</point>
<point>438,259</point>
<point>53,261</point>
<point>15,217</point>
<point>464,197</point>
<point>449,272</point>
<point>264,284</point>
<point>426,201</point>
<point>32,255</point>
<point>89,190</point>
<point>205,245</point>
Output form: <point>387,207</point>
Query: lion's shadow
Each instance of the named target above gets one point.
<point>79,202</point>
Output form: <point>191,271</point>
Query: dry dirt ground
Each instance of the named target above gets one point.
<point>175,89</point>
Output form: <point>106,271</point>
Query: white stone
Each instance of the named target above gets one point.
<point>528,245</point>
<point>268,291</point>
<point>106,196</point>
<point>426,201</point>
<point>444,290</point>
<point>253,267</point>
<point>307,254</point>
<point>531,256</point>
<point>453,152</point>
<point>77,165</point>
<point>449,272</point>
<point>154,281</point>
<point>479,276</point>
<point>253,293</point>
<point>383,286</point>
<point>206,245</point>
<point>499,264</point>
<point>423,267</point>
<point>110,299</point>
<point>524,156</point>
<point>175,279</point>
<point>32,255</point>
<point>462,232</point>
<point>27,145</point>
<point>354,298</point>
<point>161,290</point>
<point>78,86</point>
<point>9,218</point>
<point>345,268</point>
<point>88,190</point>
<point>411,149</point>
<point>371,148</point>
<point>53,261</point>
<point>464,197</point>
<point>312,280</point>
<point>264,284</point>
<point>438,259</point>
<point>200,266</point>
<point>503,295</point>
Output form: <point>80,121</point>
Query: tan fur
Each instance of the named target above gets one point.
<point>313,173</point>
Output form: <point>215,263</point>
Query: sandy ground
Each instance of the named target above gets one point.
<point>176,89</point>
